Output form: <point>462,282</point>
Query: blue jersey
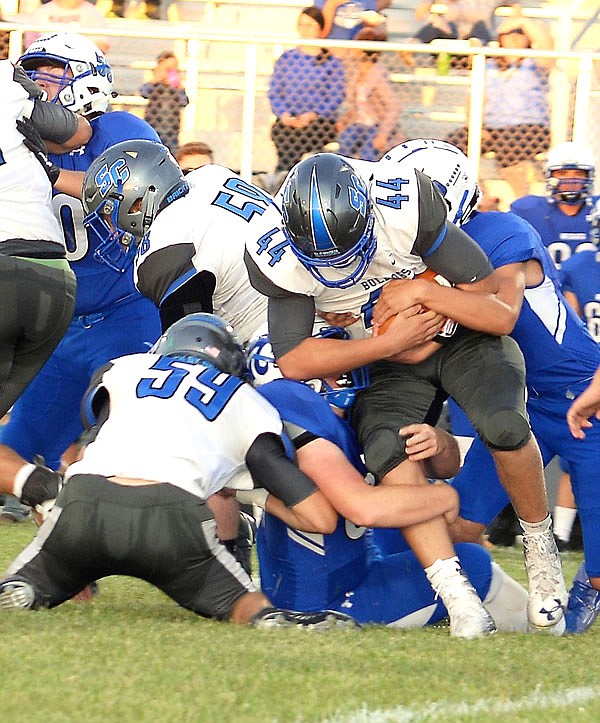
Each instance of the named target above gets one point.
<point>558,350</point>
<point>561,358</point>
<point>98,286</point>
<point>580,275</point>
<point>562,235</point>
<point>342,571</point>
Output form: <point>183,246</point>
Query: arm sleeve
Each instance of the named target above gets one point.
<point>444,247</point>
<point>459,258</point>
<point>53,122</point>
<point>291,321</point>
<point>270,468</point>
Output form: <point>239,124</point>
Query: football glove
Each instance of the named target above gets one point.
<point>35,143</point>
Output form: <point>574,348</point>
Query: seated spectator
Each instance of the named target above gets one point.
<point>166,97</point>
<point>306,90</point>
<point>516,113</point>
<point>462,20</point>
<point>193,155</point>
<point>369,127</point>
<point>344,19</point>
<point>66,14</point>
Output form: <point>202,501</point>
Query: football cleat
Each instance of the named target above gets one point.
<point>468,616</point>
<point>321,620</point>
<point>17,595</point>
<point>547,591</point>
<point>584,603</point>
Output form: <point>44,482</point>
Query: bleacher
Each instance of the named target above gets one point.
<point>227,53</point>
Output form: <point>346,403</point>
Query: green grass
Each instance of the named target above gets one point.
<point>132,655</point>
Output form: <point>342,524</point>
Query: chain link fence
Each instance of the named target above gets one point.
<point>359,99</point>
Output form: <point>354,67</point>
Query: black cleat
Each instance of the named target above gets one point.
<point>321,620</point>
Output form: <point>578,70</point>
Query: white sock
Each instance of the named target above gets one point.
<point>506,602</point>
<point>533,528</point>
<point>562,521</point>
<point>20,479</point>
<point>440,570</point>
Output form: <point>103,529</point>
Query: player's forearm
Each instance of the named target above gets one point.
<point>70,182</point>
<point>476,309</point>
<point>314,514</point>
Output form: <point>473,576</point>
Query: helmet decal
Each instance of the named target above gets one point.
<point>324,243</point>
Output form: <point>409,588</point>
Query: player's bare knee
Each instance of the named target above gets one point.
<point>506,431</point>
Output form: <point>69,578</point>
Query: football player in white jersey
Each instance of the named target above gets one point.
<point>352,228</point>
<point>191,255</point>
<point>37,290</point>
<point>140,509</point>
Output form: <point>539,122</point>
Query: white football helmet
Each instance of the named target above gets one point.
<point>90,89</point>
<point>452,173</point>
<point>568,156</point>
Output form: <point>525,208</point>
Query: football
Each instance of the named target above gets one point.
<point>428,275</point>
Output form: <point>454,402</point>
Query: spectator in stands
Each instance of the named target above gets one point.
<point>166,97</point>
<point>461,20</point>
<point>516,114</point>
<point>369,127</point>
<point>306,90</point>
<point>344,19</point>
<point>193,155</point>
<point>68,15</point>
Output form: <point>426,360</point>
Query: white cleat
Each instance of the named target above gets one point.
<point>468,616</point>
<point>547,590</point>
<point>16,595</point>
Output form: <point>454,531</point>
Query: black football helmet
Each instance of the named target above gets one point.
<point>328,218</point>
<point>204,338</point>
<point>123,191</point>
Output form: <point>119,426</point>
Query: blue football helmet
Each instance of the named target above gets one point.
<point>262,368</point>
<point>328,219</point>
<point>123,191</point>
<point>451,172</point>
<point>200,338</point>
<point>88,87</point>
<point>569,156</point>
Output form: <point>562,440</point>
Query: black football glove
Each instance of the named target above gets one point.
<point>34,141</point>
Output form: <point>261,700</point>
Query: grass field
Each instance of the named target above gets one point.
<point>132,655</point>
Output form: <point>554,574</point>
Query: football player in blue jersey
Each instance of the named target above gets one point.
<point>111,317</point>
<point>560,355</point>
<point>344,571</point>
<point>560,217</point>
<point>580,278</point>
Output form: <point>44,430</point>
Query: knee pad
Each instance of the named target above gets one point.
<point>384,449</point>
<point>506,430</point>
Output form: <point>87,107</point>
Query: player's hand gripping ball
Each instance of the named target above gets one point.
<point>428,275</point>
